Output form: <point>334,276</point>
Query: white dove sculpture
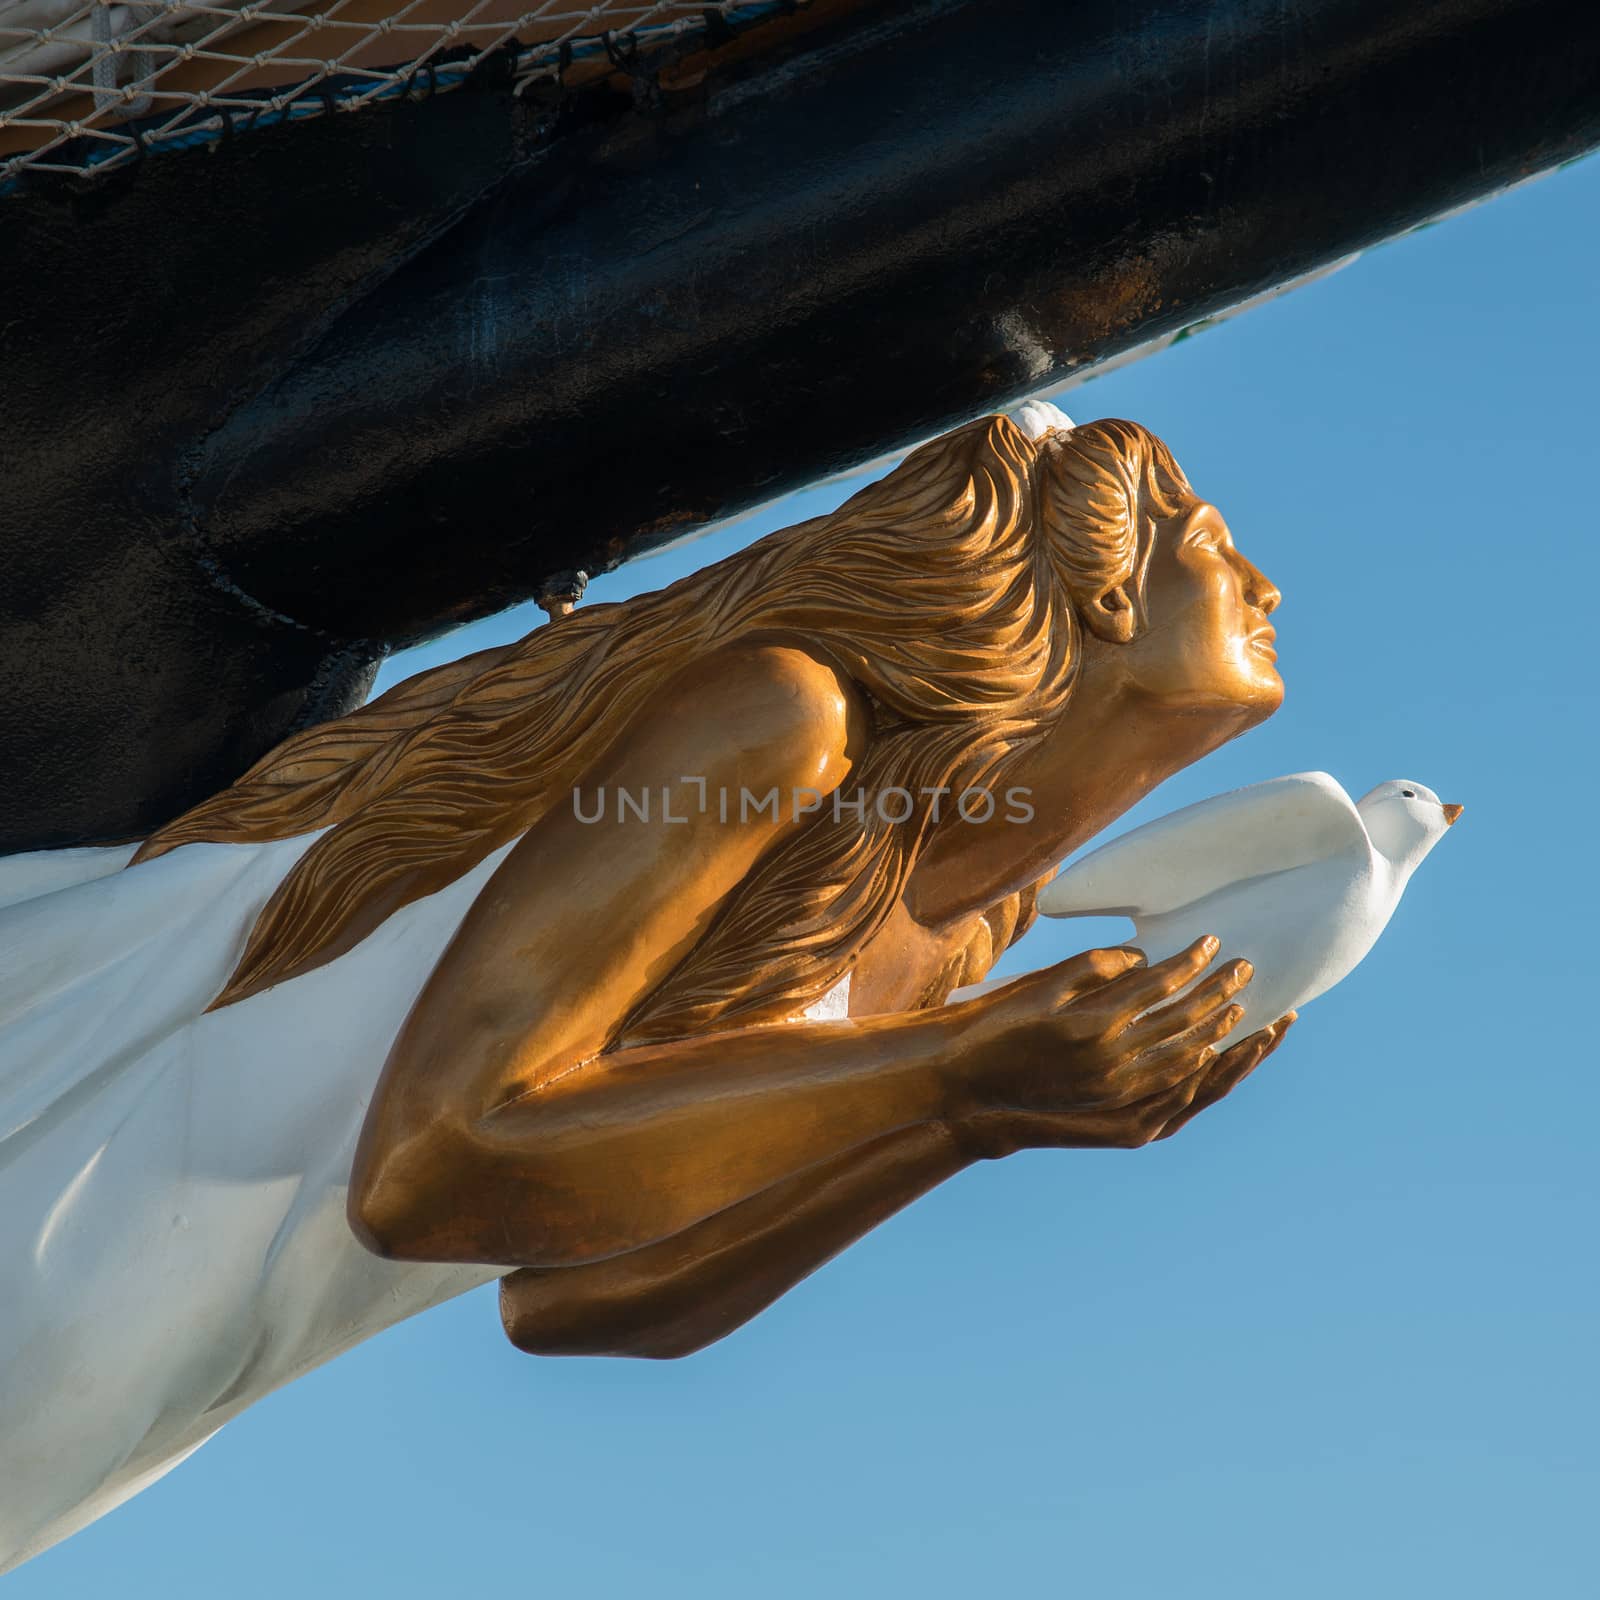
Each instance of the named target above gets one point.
<point>1288,874</point>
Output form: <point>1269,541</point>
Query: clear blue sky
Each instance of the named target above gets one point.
<point>1336,1339</point>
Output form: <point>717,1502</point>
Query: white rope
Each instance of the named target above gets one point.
<point>75,74</point>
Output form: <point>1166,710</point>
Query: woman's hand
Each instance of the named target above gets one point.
<point>1102,1050</point>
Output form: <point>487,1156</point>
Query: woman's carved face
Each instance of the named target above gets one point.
<point>1207,644</point>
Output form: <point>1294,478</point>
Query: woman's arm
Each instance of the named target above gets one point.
<point>678,1296</point>
<point>500,1133</point>
<point>673,1298</point>
<point>631,1148</point>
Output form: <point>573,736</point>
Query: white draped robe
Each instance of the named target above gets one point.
<point>173,1242</point>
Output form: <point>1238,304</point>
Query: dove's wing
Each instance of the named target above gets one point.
<point>1181,858</point>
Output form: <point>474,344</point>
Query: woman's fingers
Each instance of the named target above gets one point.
<point>1174,1096</point>
<point>1185,1048</point>
<point>1176,1058</point>
<point>1201,1003</point>
<point>1138,991</point>
<point>1079,975</point>
<point>1227,1072</point>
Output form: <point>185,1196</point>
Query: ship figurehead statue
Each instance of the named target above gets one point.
<point>616,964</point>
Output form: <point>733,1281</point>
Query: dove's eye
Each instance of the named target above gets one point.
<point>1410,794</point>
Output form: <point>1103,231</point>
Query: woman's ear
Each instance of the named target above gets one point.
<point>1110,615</point>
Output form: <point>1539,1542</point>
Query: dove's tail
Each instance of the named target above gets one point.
<point>1080,891</point>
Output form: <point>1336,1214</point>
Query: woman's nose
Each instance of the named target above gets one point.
<point>1259,589</point>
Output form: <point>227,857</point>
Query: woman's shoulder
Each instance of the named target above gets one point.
<point>776,701</point>
<point>781,673</point>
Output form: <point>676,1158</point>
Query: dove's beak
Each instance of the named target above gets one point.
<point>1451,813</point>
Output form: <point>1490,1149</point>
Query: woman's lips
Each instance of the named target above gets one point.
<point>1261,643</point>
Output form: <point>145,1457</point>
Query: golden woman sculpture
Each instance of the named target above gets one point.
<point>614,963</point>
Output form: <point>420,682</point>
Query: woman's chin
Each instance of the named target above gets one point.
<point>1231,702</point>
<point>1265,696</point>
<point>1252,700</point>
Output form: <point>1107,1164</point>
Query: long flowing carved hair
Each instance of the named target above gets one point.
<point>949,590</point>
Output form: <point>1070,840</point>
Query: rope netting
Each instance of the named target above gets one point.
<point>86,85</point>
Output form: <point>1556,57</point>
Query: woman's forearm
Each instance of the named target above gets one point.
<point>638,1146</point>
<point>683,1293</point>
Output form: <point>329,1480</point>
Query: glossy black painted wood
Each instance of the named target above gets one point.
<point>337,387</point>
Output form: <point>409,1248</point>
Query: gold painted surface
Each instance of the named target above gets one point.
<point>605,1082</point>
